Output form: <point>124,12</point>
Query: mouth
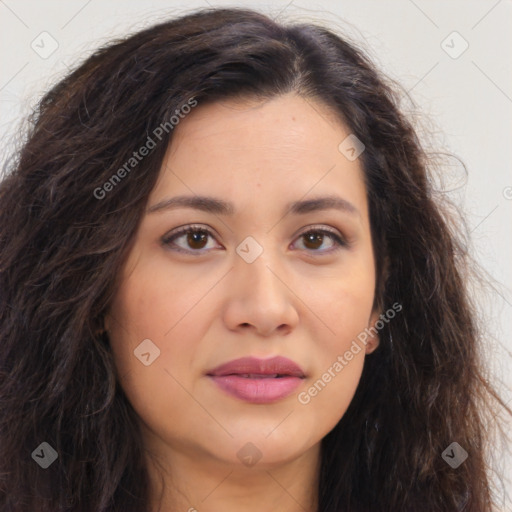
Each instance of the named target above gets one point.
<point>260,375</point>
<point>259,381</point>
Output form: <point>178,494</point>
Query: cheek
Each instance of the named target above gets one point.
<point>152,304</point>
<point>330,392</point>
<point>146,308</point>
<point>339,361</point>
<point>344,308</point>
<point>155,390</point>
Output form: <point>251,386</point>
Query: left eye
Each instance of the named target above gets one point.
<point>196,238</point>
<point>314,238</point>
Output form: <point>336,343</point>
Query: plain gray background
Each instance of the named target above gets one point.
<point>452,57</point>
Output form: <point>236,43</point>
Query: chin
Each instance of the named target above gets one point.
<point>267,452</point>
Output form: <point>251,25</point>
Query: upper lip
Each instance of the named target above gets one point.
<point>252,365</point>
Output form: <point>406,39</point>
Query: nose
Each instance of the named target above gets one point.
<point>260,299</point>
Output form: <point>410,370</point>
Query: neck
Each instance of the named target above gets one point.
<point>194,482</point>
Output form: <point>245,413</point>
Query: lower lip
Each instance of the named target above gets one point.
<point>257,391</point>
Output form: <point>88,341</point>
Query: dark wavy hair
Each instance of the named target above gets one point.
<point>62,247</point>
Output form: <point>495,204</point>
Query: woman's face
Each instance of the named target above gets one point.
<point>255,279</point>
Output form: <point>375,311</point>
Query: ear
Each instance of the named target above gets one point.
<point>106,322</point>
<point>373,340</point>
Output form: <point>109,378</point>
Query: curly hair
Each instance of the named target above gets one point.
<point>62,246</point>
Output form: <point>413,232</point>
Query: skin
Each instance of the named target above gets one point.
<point>298,299</point>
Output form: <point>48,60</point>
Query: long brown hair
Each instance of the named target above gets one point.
<point>63,243</point>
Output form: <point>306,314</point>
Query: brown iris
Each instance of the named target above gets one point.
<point>314,238</point>
<point>197,239</point>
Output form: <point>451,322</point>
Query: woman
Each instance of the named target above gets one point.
<point>225,284</point>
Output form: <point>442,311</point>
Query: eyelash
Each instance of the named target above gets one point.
<point>169,239</point>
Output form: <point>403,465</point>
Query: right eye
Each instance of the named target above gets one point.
<point>194,239</point>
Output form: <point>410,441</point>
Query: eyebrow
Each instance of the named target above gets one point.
<point>221,207</point>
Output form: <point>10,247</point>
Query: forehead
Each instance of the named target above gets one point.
<point>260,151</point>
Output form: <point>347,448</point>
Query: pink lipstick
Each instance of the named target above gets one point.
<point>259,381</point>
